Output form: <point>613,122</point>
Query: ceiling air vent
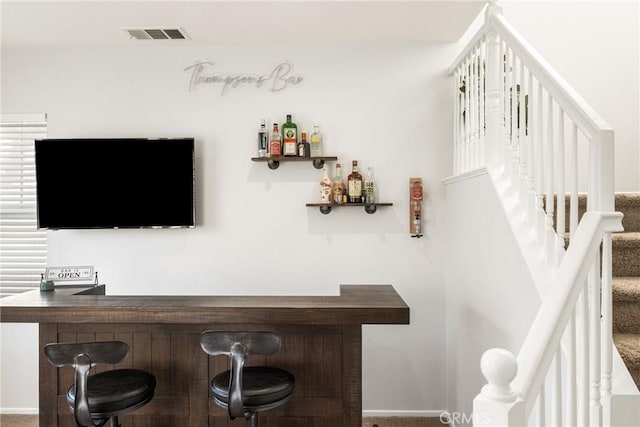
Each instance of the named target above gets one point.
<point>175,33</point>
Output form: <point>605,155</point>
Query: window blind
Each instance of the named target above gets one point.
<point>23,248</point>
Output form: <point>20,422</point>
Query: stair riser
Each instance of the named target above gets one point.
<point>626,258</point>
<point>626,317</point>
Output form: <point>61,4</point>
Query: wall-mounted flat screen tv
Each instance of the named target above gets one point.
<point>115,183</point>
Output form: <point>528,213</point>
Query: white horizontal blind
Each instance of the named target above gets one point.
<point>23,248</point>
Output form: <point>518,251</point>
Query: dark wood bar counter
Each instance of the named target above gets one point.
<point>321,346</point>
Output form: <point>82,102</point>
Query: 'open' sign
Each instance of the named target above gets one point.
<point>69,273</point>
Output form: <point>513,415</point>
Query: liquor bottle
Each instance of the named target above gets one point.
<point>275,143</point>
<point>355,184</point>
<point>325,187</point>
<point>369,187</point>
<point>290,137</point>
<point>316,142</point>
<point>338,185</point>
<point>303,146</point>
<point>263,139</point>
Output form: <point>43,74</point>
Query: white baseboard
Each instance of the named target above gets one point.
<point>19,411</point>
<point>391,413</point>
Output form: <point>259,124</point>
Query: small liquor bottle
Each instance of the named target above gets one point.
<point>369,187</point>
<point>303,146</point>
<point>290,137</point>
<point>355,184</point>
<point>338,185</point>
<point>263,140</point>
<point>275,143</point>
<point>316,142</point>
<point>325,187</point>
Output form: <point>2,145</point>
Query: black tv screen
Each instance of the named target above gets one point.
<point>115,183</point>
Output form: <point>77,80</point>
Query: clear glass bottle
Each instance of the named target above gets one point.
<point>303,146</point>
<point>275,143</point>
<point>355,184</point>
<point>325,186</point>
<point>316,142</point>
<point>289,137</point>
<point>338,185</point>
<point>369,187</point>
<point>263,139</point>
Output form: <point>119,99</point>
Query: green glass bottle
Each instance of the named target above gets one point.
<point>290,137</point>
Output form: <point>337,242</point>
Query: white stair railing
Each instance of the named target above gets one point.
<point>516,116</point>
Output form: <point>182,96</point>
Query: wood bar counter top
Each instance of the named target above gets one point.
<point>321,346</point>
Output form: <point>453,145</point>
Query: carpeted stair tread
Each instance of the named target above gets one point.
<point>629,347</point>
<point>626,289</point>
<point>626,283</point>
<point>626,254</point>
<point>629,205</point>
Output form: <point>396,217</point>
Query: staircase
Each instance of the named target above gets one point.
<point>626,284</point>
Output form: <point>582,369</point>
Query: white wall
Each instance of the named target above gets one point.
<point>491,299</point>
<point>384,105</point>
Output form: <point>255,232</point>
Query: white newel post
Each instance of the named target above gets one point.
<point>494,137</point>
<point>497,404</point>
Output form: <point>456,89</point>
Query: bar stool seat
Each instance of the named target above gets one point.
<point>262,387</point>
<point>246,390</point>
<point>116,392</point>
<point>98,399</point>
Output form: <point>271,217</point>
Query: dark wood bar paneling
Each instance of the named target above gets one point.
<point>321,346</point>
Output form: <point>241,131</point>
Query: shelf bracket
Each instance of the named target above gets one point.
<point>370,209</point>
<point>273,164</point>
<point>325,209</point>
<point>318,163</point>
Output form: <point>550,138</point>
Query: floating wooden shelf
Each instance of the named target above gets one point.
<point>318,162</point>
<point>369,208</point>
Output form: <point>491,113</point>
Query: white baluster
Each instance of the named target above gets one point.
<point>573,205</point>
<point>467,115</point>
<point>583,351</point>
<point>539,167</point>
<point>571,371</point>
<point>560,226</point>
<point>494,126</point>
<point>514,122</point>
<point>507,112</point>
<point>595,405</point>
<point>549,232</point>
<point>531,164</point>
<point>502,75</point>
<point>456,112</point>
<point>556,390</point>
<point>607,317</point>
<point>542,407</point>
<point>522,144</point>
<point>474,109</point>
<point>482,125</point>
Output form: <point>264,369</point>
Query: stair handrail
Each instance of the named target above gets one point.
<point>574,106</point>
<point>592,123</point>
<point>513,383</point>
<point>510,112</point>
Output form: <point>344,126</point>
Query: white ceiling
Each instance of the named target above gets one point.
<point>101,23</point>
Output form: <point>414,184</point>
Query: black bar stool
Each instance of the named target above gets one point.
<point>97,399</point>
<point>244,391</point>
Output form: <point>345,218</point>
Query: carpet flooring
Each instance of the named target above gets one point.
<point>32,421</point>
<point>626,283</point>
